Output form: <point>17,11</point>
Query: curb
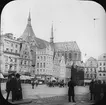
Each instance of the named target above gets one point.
<point>24,101</point>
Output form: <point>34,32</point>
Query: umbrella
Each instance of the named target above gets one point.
<point>1,76</point>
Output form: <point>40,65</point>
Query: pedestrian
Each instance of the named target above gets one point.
<point>33,83</point>
<point>71,85</point>
<point>19,88</point>
<point>104,90</point>
<point>8,86</point>
<point>36,83</point>
<point>98,91</point>
<point>13,83</point>
<point>91,88</point>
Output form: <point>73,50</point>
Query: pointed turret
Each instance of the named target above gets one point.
<point>51,38</point>
<point>28,33</point>
<point>29,20</point>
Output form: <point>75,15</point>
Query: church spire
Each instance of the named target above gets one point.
<point>51,38</point>
<point>29,19</point>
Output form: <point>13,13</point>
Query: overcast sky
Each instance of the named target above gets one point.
<point>72,21</point>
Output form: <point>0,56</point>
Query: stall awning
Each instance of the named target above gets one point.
<point>87,81</point>
<point>24,77</point>
<point>1,76</point>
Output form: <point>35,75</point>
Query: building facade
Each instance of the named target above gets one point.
<point>101,75</point>
<point>9,53</point>
<point>91,69</point>
<point>40,57</point>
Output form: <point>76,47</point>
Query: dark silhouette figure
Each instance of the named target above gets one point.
<point>13,84</point>
<point>91,88</point>
<point>19,88</point>
<point>71,94</point>
<point>104,90</point>
<point>33,83</point>
<point>98,91</point>
<point>8,86</point>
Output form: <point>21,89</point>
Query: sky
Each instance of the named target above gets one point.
<point>73,20</point>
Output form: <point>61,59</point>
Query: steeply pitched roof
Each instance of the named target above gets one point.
<point>41,43</point>
<point>67,46</point>
<point>29,36</point>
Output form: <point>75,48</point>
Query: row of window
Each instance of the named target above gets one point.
<point>11,59</point>
<point>100,68</point>
<point>102,74</point>
<point>43,58</point>
<point>40,65</point>
<point>11,50</point>
<point>41,70</point>
<point>90,70</point>
<point>90,75</point>
<point>24,62</point>
<point>102,64</point>
<point>8,66</point>
<point>12,44</point>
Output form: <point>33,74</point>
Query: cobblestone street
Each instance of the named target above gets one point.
<point>44,95</point>
<point>61,100</point>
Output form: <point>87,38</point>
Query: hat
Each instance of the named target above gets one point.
<point>17,75</point>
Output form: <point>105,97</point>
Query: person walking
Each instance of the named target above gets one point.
<point>13,84</point>
<point>71,94</point>
<point>8,86</point>
<point>19,88</point>
<point>36,83</point>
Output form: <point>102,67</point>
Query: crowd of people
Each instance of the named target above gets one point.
<point>97,90</point>
<point>13,85</point>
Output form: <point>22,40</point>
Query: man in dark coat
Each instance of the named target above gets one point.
<point>8,86</point>
<point>98,91</point>
<point>13,84</point>
<point>91,88</point>
<point>19,88</point>
<point>71,94</point>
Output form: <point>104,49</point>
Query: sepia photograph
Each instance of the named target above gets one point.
<point>53,52</point>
